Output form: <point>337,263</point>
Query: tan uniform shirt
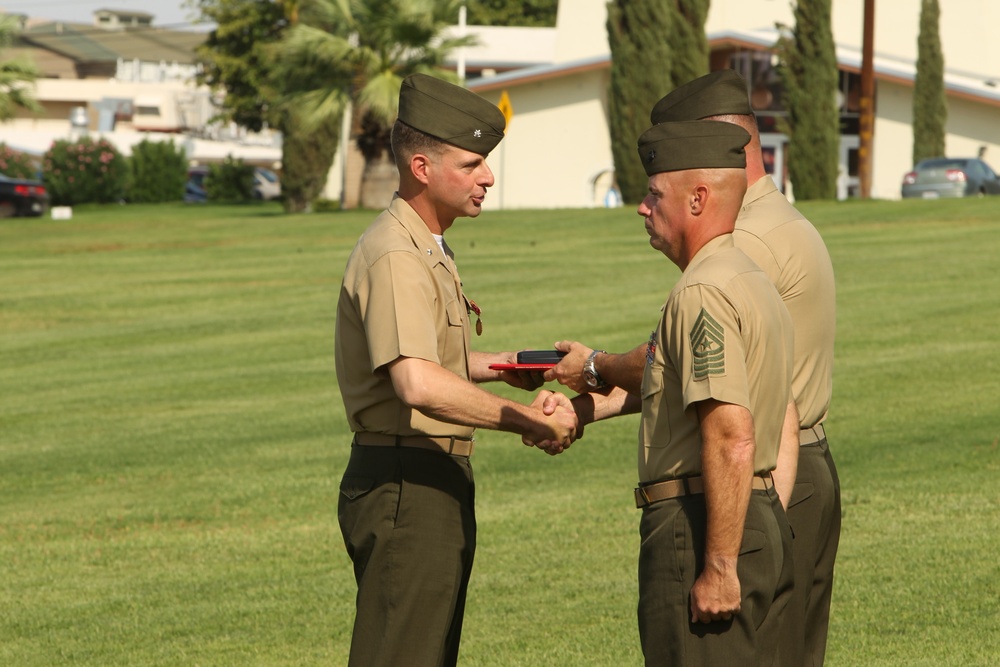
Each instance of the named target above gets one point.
<point>724,334</point>
<point>792,253</point>
<point>401,297</point>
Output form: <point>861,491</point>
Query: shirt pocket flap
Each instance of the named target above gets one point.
<point>652,383</point>
<point>454,314</point>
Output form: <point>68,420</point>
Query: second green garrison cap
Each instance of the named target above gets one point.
<point>715,94</point>
<point>693,144</point>
<point>450,113</point>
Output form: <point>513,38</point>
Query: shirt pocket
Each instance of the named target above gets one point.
<point>655,427</point>
<point>652,382</point>
<point>454,311</point>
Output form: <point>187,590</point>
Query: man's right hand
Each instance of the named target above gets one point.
<point>569,371</point>
<point>559,428</point>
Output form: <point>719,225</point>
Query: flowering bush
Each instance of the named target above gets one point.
<point>86,171</point>
<point>16,165</point>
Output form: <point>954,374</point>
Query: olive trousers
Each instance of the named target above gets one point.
<point>408,521</point>
<point>671,556</point>
<point>814,513</point>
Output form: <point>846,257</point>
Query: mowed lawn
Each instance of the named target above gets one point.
<point>172,437</point>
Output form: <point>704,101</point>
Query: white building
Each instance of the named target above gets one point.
<point>125,80</point>
<point>543,163</point>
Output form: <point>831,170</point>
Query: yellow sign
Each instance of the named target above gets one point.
<point>505,107</point>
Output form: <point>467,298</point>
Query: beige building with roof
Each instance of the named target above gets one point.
<point>134,81</point>
<point>543,164</point>
<point>126,80</point>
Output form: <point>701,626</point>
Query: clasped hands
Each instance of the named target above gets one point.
<point>558,409</point>
<point>562,427</point>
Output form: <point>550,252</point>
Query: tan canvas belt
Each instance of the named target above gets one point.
<point>648,494</point>
<point>449,445</point>
<point>812,435</point>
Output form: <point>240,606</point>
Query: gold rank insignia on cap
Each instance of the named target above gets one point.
<point>450,113</point>
<point>693,144</point>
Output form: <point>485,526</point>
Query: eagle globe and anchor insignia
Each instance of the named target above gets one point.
<point>708,345</point>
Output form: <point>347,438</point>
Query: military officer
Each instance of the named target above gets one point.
<point>409,382</point>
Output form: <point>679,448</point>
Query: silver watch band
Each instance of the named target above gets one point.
<point>590,373</point>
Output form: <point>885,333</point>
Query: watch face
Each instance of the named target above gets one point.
<point>590,379</point>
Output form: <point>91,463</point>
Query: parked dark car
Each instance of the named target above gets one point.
<point>22,196</point>
<point>950,177</point>
<point>194,189</point>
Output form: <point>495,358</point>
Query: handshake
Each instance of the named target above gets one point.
<point>560,424</point>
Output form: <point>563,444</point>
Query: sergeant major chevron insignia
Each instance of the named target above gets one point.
<point>708,344</point>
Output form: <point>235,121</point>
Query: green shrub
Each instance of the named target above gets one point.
<point>83,172</point>
<point>326,205</point>
<point>16,164</point>
<point>157,172</point>
<point>230,181</point>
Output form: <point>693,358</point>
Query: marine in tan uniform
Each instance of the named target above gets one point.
<point>409,378</point>
<point>713,579</point>
<point>791,251</point>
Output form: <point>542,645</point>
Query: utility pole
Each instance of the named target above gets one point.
<point>866,128</point>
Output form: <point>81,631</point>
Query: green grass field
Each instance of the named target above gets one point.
<point>172,437</point>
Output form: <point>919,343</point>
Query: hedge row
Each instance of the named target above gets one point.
<point>94,171</point>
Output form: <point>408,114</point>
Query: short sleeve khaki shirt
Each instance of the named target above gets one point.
<point>791,252</point>
<point>724,334</point>
<point>401,297</point>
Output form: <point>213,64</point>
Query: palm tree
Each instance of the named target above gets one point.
<point>354,54</point>
<point>17,75</point>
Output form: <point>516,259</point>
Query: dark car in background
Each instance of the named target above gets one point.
<point>950,177</point>
<point>194,188</point>
<point>22,197</point>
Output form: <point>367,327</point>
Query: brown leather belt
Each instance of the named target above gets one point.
<point>648,494</point>
<point>453,445</point>
<point>812,435</point>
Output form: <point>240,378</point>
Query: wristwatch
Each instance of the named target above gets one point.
<point>590,374</point>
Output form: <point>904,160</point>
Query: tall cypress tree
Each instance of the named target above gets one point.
<point>656,45</point>
<point>513,12</point>
<point>689,40</point>
<point>809,72</point>
<point>930,108</point>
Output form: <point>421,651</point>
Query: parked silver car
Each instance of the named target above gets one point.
<point>950,177</point>
<point>266,184</point>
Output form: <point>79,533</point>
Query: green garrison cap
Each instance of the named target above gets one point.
<point>693,144</point>
<point>721,92</point>
<point>450,113</point>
